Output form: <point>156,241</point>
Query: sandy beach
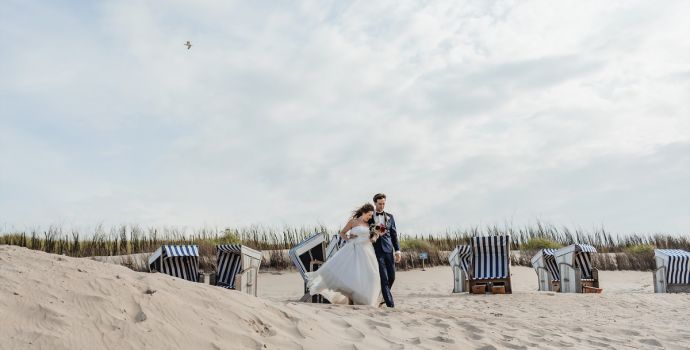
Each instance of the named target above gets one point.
<point>56,302</point>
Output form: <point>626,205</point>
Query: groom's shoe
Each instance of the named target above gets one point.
<point>382,304</point>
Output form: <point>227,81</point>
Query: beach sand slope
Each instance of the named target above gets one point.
<point>56,302</point>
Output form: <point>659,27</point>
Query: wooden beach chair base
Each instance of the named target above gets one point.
<point>678,288</point>
<point>502,286</point>
<point>588,289</point>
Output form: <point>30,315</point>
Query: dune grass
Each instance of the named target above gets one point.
<point>626,251</point>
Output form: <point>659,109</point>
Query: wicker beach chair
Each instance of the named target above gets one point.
<point>575,269</point>
<point>181,261</point>
<point>237,267</point>
<point>489,265</point>
<point>544,263</point>
<point>672,274</point>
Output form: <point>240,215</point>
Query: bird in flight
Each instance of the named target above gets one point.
<point>188,44</point>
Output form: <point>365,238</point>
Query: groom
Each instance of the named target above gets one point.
<point>386,247</point>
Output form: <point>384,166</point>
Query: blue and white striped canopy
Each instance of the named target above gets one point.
<point>461,255</point>
<point>582,258</point>
<point>672,252</point>
<point>228,264</point>
<point>229,248</point>
<point>230,260</point>
<point>177,260</point>
<point>550,263</point>
<point>548,251</point>
<point>491,257</point>
<point>678,265</point>
<point>586,248</point>
<point>181,250</point>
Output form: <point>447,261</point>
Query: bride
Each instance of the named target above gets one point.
<point>353,271</point>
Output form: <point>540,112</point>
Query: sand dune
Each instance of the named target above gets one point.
<point>56,302</point>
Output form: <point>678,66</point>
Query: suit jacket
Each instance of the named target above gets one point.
<point>387,243</point>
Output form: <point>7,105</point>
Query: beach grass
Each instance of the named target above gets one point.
<point>622,251</point>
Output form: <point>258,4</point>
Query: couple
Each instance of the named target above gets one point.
<point>361,270</point>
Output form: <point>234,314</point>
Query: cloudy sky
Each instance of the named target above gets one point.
<point>464,113</point>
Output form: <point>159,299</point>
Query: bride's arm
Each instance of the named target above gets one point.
<point>347,227</point>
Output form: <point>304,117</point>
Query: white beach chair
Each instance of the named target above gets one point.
<point>237,267</point>
<point>181,261</point>
<point>544,263</point>
<point>459,260</point>
<point>672,274</point>
<point>490,263</point>
<point>575,269</point>
<point>308,256</point>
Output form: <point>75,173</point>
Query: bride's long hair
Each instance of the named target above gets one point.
<point>367,207</point>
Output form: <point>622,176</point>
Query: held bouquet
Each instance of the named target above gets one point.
<point>376,231</point>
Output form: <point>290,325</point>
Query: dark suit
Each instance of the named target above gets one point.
<point>385,248</point>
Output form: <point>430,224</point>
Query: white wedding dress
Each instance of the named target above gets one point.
<point>353,272</point>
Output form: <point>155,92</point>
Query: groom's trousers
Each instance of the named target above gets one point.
<point>387,273</point>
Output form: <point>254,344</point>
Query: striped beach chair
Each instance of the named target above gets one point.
<point>181,261</point>
<point>237,267</point>
<point>672,274</point>
<point>575,269</point>
<point>308,256</point>
<point>544,263</point>
<point>490,264</point>
<point>334,245</point>
<point>459,260</point>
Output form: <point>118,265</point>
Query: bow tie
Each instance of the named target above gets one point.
<point>381,213</point>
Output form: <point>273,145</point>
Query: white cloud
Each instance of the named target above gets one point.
<point>465,113</point>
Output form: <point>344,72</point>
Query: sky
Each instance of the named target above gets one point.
<point>465,113</point>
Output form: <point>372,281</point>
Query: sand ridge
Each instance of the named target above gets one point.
<point>56,302</point>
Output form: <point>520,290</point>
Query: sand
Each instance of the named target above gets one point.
<point>56,302</point>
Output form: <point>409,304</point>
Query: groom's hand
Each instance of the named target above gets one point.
<point>398,257</point>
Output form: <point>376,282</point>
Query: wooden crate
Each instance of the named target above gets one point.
<point>479,289</point>
<point>498,289</point>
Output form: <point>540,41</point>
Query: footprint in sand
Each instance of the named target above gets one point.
<point>487,347</point>
<point>352,332</point>
<point>355,334</point>
<point>597,343</point>
<point>565,344</point>
<point>412,323</point>
<point>471,331</point>
<point>242,342</point>
<point>652,342</point>
<point>378,324</point>
<point>438,323</point>
<point>415,341</point>
<point>443,339</point>
<point>341,323</point>
<point>508,345</point>
<point>263,329</point>
<point>470,327</point>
